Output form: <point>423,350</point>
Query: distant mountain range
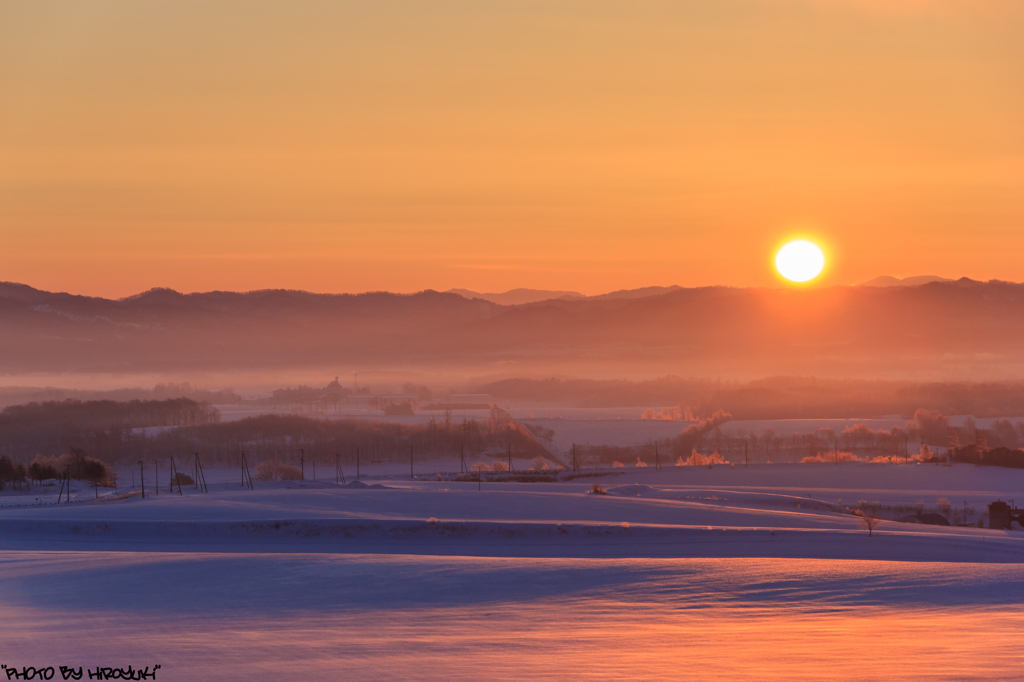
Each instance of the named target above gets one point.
<point>523,296</point>
<point>963,329</point>
<point>517,296</point>
<point>889,281</point>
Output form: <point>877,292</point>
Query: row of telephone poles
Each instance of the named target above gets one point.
<point>198,476</point>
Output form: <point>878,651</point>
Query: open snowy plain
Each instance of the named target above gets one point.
<point>685,573</point>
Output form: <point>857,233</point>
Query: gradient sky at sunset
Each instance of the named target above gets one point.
<point>588,145</point>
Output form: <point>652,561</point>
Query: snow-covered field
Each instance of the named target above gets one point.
<point>687,573</point>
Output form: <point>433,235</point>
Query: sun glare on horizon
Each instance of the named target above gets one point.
<point>800,261</point>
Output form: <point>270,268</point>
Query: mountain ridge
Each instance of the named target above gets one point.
<point>964,326</point>
<point>890,281</point>
<point>522,296</point>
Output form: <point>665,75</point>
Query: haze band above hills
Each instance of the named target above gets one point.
<point>963,329</point>
<point>521,296</point>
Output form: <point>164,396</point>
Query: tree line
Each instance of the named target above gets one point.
<point>274,437</point>
<point>283,438</point>
<point>51,428</point>
<point>74,464</point>
<point>897,443</point>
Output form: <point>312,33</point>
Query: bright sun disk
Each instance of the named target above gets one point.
<point>800,261</point>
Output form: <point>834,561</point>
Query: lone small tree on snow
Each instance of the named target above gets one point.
<point>869,521</point>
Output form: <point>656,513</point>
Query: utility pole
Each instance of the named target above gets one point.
<point>246,476</point>
<point>142,478</point>
<point>657,457</point>
<point>463,469</point>
<point>200,474</point>
<point>176,478</point>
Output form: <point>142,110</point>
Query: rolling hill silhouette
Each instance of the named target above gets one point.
<point>965,327</point>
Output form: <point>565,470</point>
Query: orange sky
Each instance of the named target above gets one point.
<point>588,145</point>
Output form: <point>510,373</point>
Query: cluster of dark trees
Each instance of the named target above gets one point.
<point>998,456</point>
<point>318,399</point>
<point>106,426</point>
<point>74,463</point>
<point>311,399</point>
<point>282,437</point>
<point>772,398</point>
<point>133,414</point>
<point>12,473</point>
<point>268,437</point>
<point>705,437</point>
<point>898,442</point>
<point>308,394</point>
<point>764,446</point>
<point>40,471</point>
<point>19,395</point>
<point>186,390</point>
<point>334,392</point>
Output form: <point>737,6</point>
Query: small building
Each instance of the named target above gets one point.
<point>999,515</point>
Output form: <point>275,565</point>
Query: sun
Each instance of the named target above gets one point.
<point>800,261</point>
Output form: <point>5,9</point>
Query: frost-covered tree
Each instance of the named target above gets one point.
<point>869,520</point>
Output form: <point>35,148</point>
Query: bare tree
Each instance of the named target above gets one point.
<point>869,520</point>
